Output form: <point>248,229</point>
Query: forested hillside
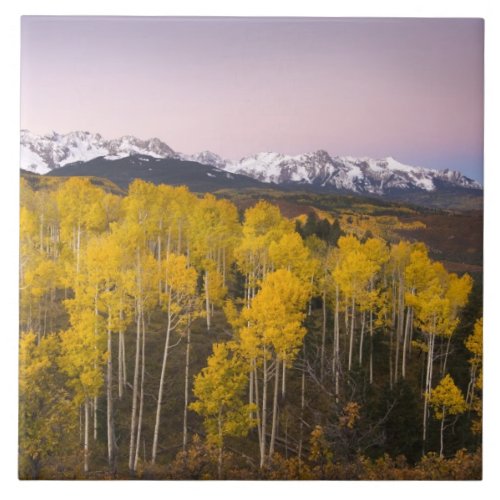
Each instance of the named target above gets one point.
<point>170,335</point>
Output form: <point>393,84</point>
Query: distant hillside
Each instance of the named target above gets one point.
<point>122,171</point>
<point>37,182</point>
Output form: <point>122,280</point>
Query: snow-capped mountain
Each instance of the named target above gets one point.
<point>206,158</point>
<point>361,175</point>
<point>41,154</point>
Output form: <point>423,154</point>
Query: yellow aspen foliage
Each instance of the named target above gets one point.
<point>28,229</point>
<point>400,255</point>
<point>41,278</point>
<point>180,277</point>
<point>474,343</point>
<point>355,268</point>
<point>377,254</point>
<point>112,208</point>
<point>263,224</point>
<point>219,389</point>
<point>276,314</point>
<point>418,272</point>
<point>376,250</point>
<point>348,244</point>
<point>102,268</point>
<point>83,354</point>
<point>213,229</point>
<point>46,410</point>
<point>427,297</point>
<point>447,399</point>
<point>80,206</point>
<point>139,212</point>
<point>458,290</point>
<point>350,415</point>
<point>319,450</point>
<point>290,252</point>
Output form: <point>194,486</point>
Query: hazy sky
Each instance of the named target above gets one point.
<point>407,88</point>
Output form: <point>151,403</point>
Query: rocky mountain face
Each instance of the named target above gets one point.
<point>43,153</point>
<point>360,175</point>
<point>318,170</point>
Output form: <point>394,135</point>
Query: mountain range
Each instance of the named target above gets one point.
<point>126,158</point>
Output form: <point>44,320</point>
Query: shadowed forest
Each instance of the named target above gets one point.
<point>170,335</point>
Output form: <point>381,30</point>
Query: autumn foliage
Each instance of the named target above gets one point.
<point>170,335</point>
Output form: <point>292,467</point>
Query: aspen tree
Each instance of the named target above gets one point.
<point>104,262</point>
<point>446,399</point>
<point>352,275</point>
<point>435,313</point>
<point>321,285</point>
<point>458,291</point>
<point>333,262</point>
<point>82,356</point>
<point>213,233</point>
<point>474,344</point>
<point>290,253</point>
<point>142,284</point>
<point>179,303</point>
<point>377,254</point>
<point>40,280</point>
<point>47,414</point>
<point>219,390</point>
<point>263,224</point>
<point>80,206</point>
<point>418,275</point>
<point>40,270</point>
<point>275,334</point>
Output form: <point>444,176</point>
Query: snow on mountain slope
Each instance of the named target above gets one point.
<point>54,150</point>
<point>206,158</point>
<point>41,154</point>
<point>127,145</point>
<point>32,161</point>
<point>362,175</point>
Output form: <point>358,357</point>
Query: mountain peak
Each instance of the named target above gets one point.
<point>41,154</point>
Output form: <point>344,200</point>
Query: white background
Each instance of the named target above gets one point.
<point>10,487</point>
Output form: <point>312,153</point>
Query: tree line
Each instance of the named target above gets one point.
<point>306,326</point>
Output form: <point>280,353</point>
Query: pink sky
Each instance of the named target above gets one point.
<point>408,88</point>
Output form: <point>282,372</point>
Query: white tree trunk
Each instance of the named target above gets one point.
<point>135,389</point>
<point>186,390</point>
<point>283,380</point>
<point>275,408</point>
<point>95,417</point>
<point>257,401</point>
<point>351,336</point>
<point>207,300</point>
<point>441,449</point>
<point>361,339</point>
<point>405,342</point>
<point>428,386</point>
<point>109,401</point>
<point>86,438</point>
<point>264,414</point>
<point>120,365</point>
<point>336,344</point>
<point>141,395</point>
<point>160,389</point>
<point>302,406</point>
